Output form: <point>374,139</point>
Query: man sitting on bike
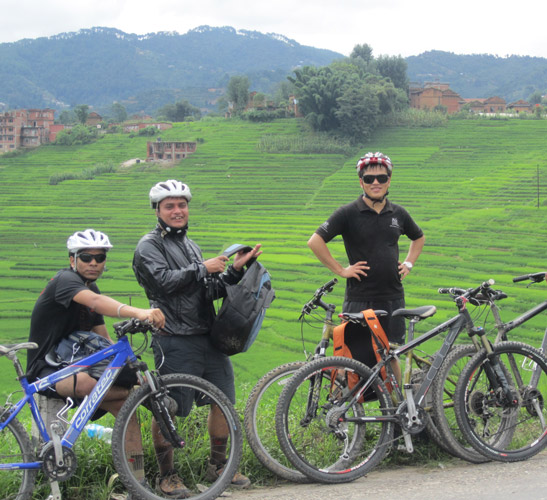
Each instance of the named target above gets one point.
<point>71,302</point>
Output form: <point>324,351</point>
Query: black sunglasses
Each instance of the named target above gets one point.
<point>369,179</point>
<point>88,257</point>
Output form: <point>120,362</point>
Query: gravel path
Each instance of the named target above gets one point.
<point>460,480</point>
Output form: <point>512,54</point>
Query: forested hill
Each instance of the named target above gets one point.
<point>481,75</point>
<point>98,66</point>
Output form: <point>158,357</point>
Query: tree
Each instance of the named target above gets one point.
<point>317,92</point>
<point>118,112</point>
<point>67,117</point>
<point>238,93</point>
<point>535,98</point>
<point>82,112</point>
<point>180,111</point>
<point>394,68</point>
<point>361,54</point>
<point>358,111</point>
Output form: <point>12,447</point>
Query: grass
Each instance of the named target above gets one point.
<point>470,184</point>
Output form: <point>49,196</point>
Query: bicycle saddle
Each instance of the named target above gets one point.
<point>419,312</point>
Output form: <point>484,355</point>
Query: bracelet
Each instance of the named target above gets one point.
<point>120,308</point>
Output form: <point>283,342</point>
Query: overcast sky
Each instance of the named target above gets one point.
<point>390,27</point>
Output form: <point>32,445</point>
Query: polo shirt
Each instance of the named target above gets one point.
<point>372,237</point>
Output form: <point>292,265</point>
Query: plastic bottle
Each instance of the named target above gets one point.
<point>99,432</point>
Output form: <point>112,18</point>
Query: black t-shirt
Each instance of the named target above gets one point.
<point>56,315</point>
<point>372,237</point>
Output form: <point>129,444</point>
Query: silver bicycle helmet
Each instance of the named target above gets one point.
<point>89,238</point>
<point>169,189</point>
<point>374,159</point>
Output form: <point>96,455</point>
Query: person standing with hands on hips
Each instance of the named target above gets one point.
<point>171,269</point>
<point>370,228</point>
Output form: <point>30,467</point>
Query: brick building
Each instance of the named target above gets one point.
<point>169,150</point>
<point>520,106</point>
<point>491,105</point>
<point>434,95</point>
<point>26,128</point>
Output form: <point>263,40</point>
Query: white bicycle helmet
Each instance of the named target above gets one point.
<point>169,189</point>
<point>89,238</point>
<point>374,159</point>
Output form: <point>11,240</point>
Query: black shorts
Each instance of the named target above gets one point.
<point>393,326</point>
<point>194,355</point>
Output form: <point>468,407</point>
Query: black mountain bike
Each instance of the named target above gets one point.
<point>445,382</point>
<point>336,433</point>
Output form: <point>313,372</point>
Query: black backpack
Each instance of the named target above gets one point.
<point>240,317</point>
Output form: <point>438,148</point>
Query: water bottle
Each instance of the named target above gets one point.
<point>99,432</point>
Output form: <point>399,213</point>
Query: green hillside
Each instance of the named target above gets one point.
<point>471,185</point>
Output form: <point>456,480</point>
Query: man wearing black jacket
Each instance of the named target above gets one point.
<point>171,269</point>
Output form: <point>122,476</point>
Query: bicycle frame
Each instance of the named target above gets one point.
<point>123,355</point>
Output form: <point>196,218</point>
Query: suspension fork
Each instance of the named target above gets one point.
<point>492,366</point>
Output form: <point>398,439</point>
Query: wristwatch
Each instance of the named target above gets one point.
<point>409,265</point>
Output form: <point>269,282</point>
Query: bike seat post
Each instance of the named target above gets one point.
<point>16,363</point>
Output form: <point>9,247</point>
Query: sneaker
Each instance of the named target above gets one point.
<point>172,486</point>
<point>215,470</point>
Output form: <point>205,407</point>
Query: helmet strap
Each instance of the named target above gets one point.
<point>166,229</point>
<point>376,200</point>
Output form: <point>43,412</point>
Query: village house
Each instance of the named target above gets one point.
<point>435,95</point>
<point>169,151</point>
<point>490,105</point>
<point>520,106</point>
<point>93,119</point>
<point>25,128</point>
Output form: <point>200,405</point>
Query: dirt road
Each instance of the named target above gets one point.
<point>491,481</point>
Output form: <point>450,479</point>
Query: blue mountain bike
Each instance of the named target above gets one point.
<point>150,401</point>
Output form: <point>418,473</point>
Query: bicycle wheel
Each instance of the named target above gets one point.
<point>260,426</point>
<point>190,461</point>
<point>318,427</point>
<point>443,414</point>
<point>504,428</point>
<point>15,447</point>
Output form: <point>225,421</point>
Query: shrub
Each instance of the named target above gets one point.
<point>412,117</point>
<point>77,135</point>
<point>148,131</point>
<point>85,174</point>
<point>262,115</point>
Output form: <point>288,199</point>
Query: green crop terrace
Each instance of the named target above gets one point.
<point>471,185</point>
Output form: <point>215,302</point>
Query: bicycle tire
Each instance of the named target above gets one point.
<point>260,427</point>
<point>190,461</point>
<point>443,413</point>
<point>15,447</point>
<point>494,426</point>
<point>335,451</point>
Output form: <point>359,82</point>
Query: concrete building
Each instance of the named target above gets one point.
<point>169,151</point>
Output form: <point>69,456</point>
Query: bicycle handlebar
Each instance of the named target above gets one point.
<point>316,299</point>
<point>472,293</point>
<point>533,277</point>
<point>132,326</point>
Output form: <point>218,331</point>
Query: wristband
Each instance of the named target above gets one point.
<point>120,308</point>
<point>409,265</point>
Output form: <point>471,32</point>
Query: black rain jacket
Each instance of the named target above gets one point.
<point>170,269</point>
